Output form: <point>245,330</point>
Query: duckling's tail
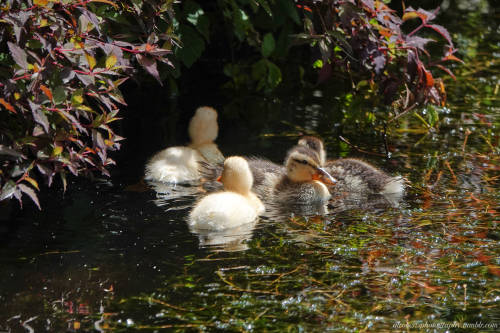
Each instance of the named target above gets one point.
<point>395,186</point>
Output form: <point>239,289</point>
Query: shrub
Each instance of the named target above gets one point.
<point>61,65</point>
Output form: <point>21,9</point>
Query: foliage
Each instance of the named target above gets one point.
<point>367,41</point>
<point>62,63</point>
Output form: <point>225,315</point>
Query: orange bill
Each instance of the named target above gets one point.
<point>323,176</point>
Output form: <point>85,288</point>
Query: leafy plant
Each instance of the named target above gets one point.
<point>61,65</point>
<point>366,40</point>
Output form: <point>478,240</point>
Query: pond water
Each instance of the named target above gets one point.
<point>115,255</point>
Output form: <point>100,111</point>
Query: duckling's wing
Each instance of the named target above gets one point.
<point>210,172</point>
<point>357,175</point>
<point>263,169</point>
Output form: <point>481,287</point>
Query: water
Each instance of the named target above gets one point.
<point>114,255</point>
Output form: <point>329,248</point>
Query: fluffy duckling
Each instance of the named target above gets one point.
<point>353,174</point>
<point>234,206</point>
<point>180,164</point>
<point>302,182</point>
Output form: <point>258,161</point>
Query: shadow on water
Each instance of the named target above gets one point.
<point>117,255</point>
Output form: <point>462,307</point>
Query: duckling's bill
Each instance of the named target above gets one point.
<point>323,176</point>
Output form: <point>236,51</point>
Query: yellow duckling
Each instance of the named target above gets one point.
<point>180,164</point>
<point>355,175</point>
<point>234,206</point>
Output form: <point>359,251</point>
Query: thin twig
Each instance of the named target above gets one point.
<point>406,111</point>
<point>359,149</point>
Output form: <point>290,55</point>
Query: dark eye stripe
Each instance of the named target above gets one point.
<point>301,161</point>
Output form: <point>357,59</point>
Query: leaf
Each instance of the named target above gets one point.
<point>149,65</point>
<point>32,182</point>
<point>289,8</point>
<point>18,54</point>
<point>450,73</point>
<point>7,190</point>
<point>57,151</point>
<point>7,105</point>
<point>63,179</point>
<point>29,191</point>
<point>106,1</point>
<point>4,150</point>
<point>429,80</point>
<point>90,60</point>
<point>442,31</point>
<point>42,3</point>
<point>418,42</point>
<point>39,116</point>
<point>111,61</point>
<point>46,91</point>
<point>268,45</point>
<point>77,97</point>
<point>192,45</point>
<point>59,95</point>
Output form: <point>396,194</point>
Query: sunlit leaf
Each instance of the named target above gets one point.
<point>111,61</point>
<point>31,193</point>
<point>106,1</point>
<point>7,105</point>
<point>57,150</point>
<point>46,91</point>
<point>40,2</point>
<point>90,60</point>
<point>32,182</point>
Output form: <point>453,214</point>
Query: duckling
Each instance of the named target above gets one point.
<point>234,206</point>
<point>180,164</point>
<point>302,182</point>
<point>353,174</point>
<point>299,181</point>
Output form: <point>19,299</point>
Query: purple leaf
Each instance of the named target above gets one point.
<point>150,65</point>
<point>379,62</point>
<point>19,55</point>
<point>39,116</point>
<point>4,150</point>
<point>442,31</point>
<point>31,193</point>
<point>418,42</point>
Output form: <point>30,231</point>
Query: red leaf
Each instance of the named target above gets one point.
<point>429,80</point>
<point>46,91</point>
<point>7,105</point>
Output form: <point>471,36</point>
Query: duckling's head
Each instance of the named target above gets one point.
<point>236,175</point>
<point>203,126</point>
<point>316,144</point>
<point>303,165</point>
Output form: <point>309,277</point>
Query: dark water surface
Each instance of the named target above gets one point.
<point>114,255</point>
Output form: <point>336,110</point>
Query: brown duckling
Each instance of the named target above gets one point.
<point>354,175</point>
<point>300,181</point>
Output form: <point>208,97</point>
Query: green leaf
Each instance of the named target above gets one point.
<point>268,45</point>
<point>192,45</point>
<point>59,95</point>
<point>318,64</point>
<point>196,16</point>
<point>289,8</point>
<point>77,97</point>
